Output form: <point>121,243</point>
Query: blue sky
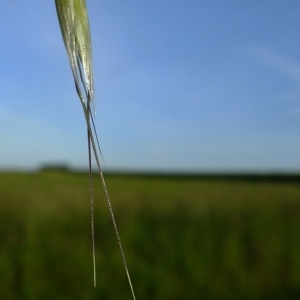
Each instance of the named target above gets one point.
<point>189,85</point>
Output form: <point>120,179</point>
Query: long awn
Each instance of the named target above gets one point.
<point>75,29</point>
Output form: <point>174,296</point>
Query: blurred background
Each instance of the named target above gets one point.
<point>207,92</point>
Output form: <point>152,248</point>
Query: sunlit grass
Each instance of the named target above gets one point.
<point>75,29</point>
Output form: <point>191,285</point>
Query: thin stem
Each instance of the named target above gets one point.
<point>92,206</point>
<point>111,211</point>
<point>96,135</point>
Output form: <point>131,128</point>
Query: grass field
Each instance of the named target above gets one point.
<point>184,238</point>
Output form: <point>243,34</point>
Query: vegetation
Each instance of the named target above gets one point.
<point>74,24</point>
<point>185,238</point>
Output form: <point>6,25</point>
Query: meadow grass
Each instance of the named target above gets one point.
<point>185,238</point>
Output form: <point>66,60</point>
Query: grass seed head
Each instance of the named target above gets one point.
<point>75,29</point>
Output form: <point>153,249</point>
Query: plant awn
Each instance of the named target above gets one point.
<point>74,25</point>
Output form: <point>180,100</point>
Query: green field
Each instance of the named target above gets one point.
<point>184,238</point>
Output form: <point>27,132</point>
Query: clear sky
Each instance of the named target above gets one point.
<point>208,85</point>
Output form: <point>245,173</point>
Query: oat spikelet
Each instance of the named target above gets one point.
<point>75,29</point>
